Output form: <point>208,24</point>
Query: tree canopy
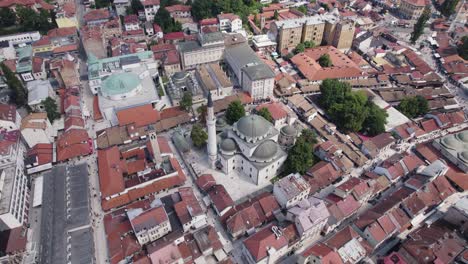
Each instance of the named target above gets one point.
<point>265,113</point>
<point>186,101</point>
<point>325,61</point>
<point>351,111</point>
<point>166,22</point>
<point>309,44</point>
<point>202,112</point>
<point>30,20</point>
<point>202,9</point>
<point>20,95</point>
<point>413,106</point>
<point>448,7</point>
<point>198,136</point>
<point>420,24</point>
<point>234,112</point>
<point>135,6</point>
<point>301,155</point>
<point>302,9</point>
<point>463,48</point>
<point>51,109</point>
<point>7,17</point>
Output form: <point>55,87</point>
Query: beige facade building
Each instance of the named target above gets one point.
<point>321,29</point>
<point>412,9</point>
<point>209,47</point>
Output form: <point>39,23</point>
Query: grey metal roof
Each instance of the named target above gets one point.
<point>253,126</point>
<point>211,37</point>
<point>228,145</point>
<point>188,46</point>
<point>288,130</point>
<point>259,72</point>
<point>65,216</point>
<point>249,62</point>
<point>266,151</point>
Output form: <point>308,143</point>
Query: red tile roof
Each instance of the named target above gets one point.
<point>174,36</point>
<point>324,252</point>
<point>276,109</point>
<point>111,169</point>
<point>96,14</point>
<point>178,8</point>
<point>73,143</point>
<point>150,218</point>
<point>8,112</point>
<point>43,152</point>
<point>220,197</point>
<point>259,243</point>
<point>322,174</point>
<point>62,32</point>
<point>150,2</point>
<point>146,115</point>
<point>205,182</point>
<point>343,66</point>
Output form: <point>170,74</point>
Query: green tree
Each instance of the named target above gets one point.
<point>198,136</point>
<point>135,6</point>
<point>20,95</point>
<point>30,20</point>
<point>463,48</point>
<point>413,106</point>
<point>325,61</point>
<point>102,3</point>
<point>166,22</point>
<point>299,48</point>
<point>309,44</point>
<point>7,17</point>
<point>375,121</point>
<point>51,109</point>
<point>203,8</point>
<point>276,15</point>
<point>302,9</point>
<point>202,111</point>
<point>349,115</point>
<point>448,7</point>
<point>420,24</point>
<point>333,91</point>
<point>301,155</point>
<point>309,136</point>
<point>234,112</point>
<point>265,113</point>
<point>186,101</point>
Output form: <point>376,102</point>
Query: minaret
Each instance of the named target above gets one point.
<point>157,159</point>
<point>211,126</point>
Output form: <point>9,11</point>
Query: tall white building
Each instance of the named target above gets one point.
<point>13,183</point>
<point>250,147</point>
<point>211,125</point>
<point>253,74</point>
<point>151,8</point>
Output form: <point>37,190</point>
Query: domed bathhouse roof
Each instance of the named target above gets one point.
<point>228,145</point>
<point>121,84</point>
<point>178,76</point>
<point>464,156</point>
<point>288,130</point>
<point>463,136</point>
<point>265,152</point>
<point>252,128</point>
<point>450,142</point>
<point>220,124</point>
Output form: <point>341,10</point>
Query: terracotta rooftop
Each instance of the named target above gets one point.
<point>110,169</point>
<point>259,243</point>
<point>343,66</point>
<point>276,109</point>
<point>140,116</point>
<point>8,112</point>
<point>149,219</point>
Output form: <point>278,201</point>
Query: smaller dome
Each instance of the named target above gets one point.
<point>228,145</point>
<point>220,122</point>
<point>288,130</point>
<point>463,136</point>
<point>265,152</point>
<point>449,142</point>
<point>464,156</point>
<point>179,75</point>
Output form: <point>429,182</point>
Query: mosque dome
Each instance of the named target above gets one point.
<point>265,152</point>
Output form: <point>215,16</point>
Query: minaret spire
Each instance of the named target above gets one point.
<point>211,126</point>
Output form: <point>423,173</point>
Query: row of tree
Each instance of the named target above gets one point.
<point>420,24</point>
<point>202,9</point>
<point>351,111</point>
<point>26,19</point>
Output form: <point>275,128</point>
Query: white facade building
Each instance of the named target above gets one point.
<point>229,22</point>
<point>151,8</point>
<point>9,117</point>
<point>36,129</point>
<point>13,183</point>
<point>290,190</point>
<point>149,225</point>
<point>250,147</point>
<point>253,74</point>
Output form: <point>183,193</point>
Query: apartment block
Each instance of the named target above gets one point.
<point>321,29</point>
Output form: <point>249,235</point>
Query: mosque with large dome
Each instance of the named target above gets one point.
<point>250,146</point>
<point>455,148</point>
